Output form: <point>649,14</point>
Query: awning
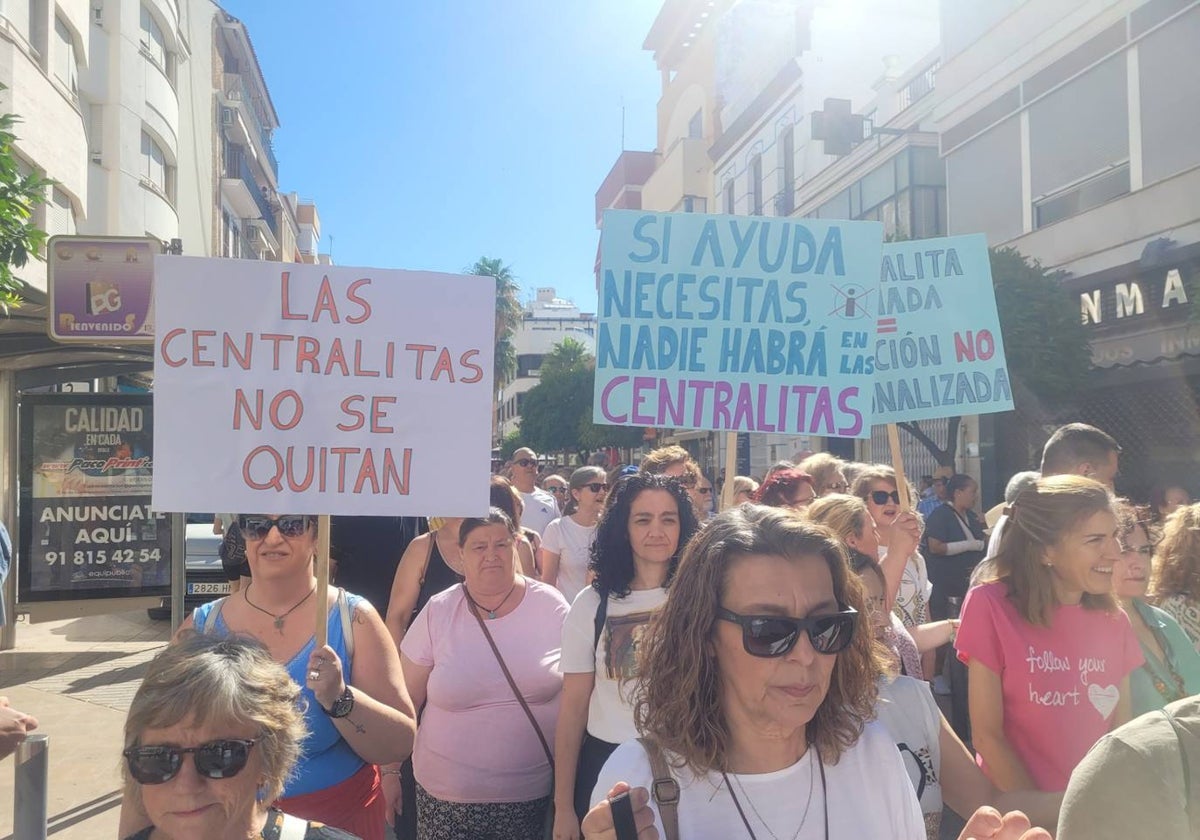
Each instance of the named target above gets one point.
<point>1147,347</point>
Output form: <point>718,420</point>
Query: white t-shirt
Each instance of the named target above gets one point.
<point>540,510</point>
<point>610,711</point>
<point>912,599</point>
<point>986,568</point>
<point>571,542</point>
<point>907,708</point>
<point>866,793</point>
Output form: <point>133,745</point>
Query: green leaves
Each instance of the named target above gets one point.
<point>508,315</point>
<point>20,238</point>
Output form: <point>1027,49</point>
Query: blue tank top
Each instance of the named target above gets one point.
<point>325,757</point>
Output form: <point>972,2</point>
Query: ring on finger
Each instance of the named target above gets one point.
<point>314,674</point>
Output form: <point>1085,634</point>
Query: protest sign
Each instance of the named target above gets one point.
<point>736,323</point>
<point>290,388</point>
<point>938,348</point>
<point>86,524</point>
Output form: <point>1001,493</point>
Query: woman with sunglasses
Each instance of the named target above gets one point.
<point>1048,652</point>
<point>483,659</point>
<point>212,734</point>
<point>940,767</point>
<point>634,557</point>
<point>1172,667</point>
<point>827,473</point>
<point>567,541</point>
<point>357,708</point>
<point>757,684</point>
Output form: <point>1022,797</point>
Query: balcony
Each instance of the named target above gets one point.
<point>685,170</point>
<point>622,186</point>
<point>261,236</point>
<point>244,193</point>
<point>238,97</point>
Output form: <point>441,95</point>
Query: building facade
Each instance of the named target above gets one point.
<point>1069,133</point>
<point>546,322</point>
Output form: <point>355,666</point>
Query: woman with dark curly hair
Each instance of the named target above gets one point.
<point>1175,587</point>
<point>792,489</point>
<point>637,548</point>
<point>757,690</point>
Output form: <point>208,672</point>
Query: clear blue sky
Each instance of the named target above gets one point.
<point>432,133</point>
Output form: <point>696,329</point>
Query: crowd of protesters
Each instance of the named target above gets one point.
<point>603,654</point>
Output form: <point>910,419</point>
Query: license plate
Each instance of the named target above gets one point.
<point>208,589</point>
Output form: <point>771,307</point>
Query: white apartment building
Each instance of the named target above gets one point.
<point>546,321</point>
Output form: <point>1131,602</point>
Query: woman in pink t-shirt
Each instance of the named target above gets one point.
<point>481,768</point>
<point>1048,651</point>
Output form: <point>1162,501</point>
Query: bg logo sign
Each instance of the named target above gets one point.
<point>102,298</point>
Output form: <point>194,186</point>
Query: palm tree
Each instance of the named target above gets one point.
<point>508,315</point>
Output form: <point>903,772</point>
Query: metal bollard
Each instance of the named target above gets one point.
<point>31,789</point>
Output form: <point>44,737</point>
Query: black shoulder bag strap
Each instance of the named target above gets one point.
<point>601,617</point>
<point>1191,783</point>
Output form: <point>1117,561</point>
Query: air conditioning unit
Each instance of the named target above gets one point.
<point>227,116</point>
<point>98,12</point>
<point>97,157</point>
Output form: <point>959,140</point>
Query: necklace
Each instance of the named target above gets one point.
<point>278,618</point>
<point>491,613</point>
<point>824,799</point>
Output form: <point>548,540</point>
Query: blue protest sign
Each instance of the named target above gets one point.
<point>938,348</point>
<point>737,323</point>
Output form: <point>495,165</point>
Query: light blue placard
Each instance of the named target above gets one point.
<point>737,323</point>
<point>938,350</point>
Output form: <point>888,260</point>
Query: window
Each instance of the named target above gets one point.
<point>984,179</point>
<point>1091,193</point>
<point>231,236</point>
<point>154,46</point>
<point>155,171</point>
<point>756,186</point>
<point>60,214</point>
<point>696,126</point>
<point>786,203</point>
<point>1170,89</point>
<point>65,67</point>
<point>729,200</point>
<point>695,204</point>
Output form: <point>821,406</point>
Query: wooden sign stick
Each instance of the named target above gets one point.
<point>730,470</point>
<point>893,433</point>
<point>322,570</point>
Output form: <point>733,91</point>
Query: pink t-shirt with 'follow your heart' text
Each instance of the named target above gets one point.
<point>1061,683</point>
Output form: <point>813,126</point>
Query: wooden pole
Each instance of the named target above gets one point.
<point>322,571</point>
<point>893,432</point>
<point>730,470</point>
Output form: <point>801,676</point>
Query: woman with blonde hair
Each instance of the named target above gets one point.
<point>826,471</point>
<point>1175,586</point>
<point>1048,651</point>
<point>850,521</point>
<point>756,694</point>
<point>744,489</point>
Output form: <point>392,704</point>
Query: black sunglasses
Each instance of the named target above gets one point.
<point>257,527</point>
<point>880,497</point>
<point>769,636</point>
<point>596,486</point>
<point>526,462</point>
<point>214,760</point>
<point>557,489</point>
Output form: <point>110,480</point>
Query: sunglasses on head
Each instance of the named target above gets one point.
<point>880,497</point>
<point>257,527</point>
<point>525,462</point>
<point>215,760</point>
<point>769,636</point>
<point>596,486</point>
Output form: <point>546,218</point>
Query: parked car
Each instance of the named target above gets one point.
<point>204,575</point>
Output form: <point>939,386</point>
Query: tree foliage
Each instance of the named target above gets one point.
<point>20,194</point>
<point>509,444</point>
<point>556,414</point>
<point>1045,343</point>
<point>508,315</point>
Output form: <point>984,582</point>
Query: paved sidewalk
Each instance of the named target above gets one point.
<point>78,678</point>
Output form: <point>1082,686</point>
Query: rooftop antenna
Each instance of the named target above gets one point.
<point>331,247</point>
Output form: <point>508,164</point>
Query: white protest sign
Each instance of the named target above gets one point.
<point>291,388</point>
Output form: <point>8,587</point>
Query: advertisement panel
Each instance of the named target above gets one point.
<point>101,289</point>
<point>86,524</point>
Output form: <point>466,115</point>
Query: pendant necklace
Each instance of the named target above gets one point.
<point>278,618</point>
<point>824,798</point>
<point>491,613</point>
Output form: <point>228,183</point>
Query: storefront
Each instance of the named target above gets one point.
<point>1144,324</point>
